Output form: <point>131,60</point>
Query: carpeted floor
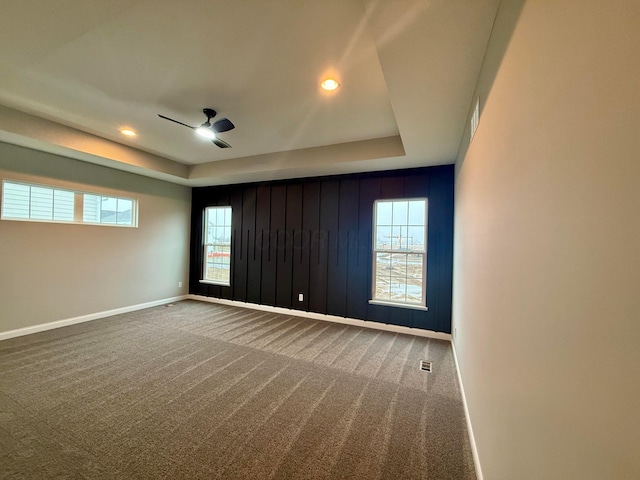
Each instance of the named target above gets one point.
<point>206,391</point>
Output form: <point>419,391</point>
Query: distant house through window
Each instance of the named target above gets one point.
<point>217,246</point>
<point>400,252</point>
<point>108,210</point>
<point>44,203</point>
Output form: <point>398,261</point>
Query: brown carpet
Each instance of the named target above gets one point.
<point>205,391</point>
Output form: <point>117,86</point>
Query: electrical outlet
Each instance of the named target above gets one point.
<point>300,297</point>
<point>179,284</point>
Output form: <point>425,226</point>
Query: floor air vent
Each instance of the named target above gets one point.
<point>424,365</point>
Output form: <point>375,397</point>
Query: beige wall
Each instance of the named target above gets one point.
<point>547,245</point>
<point>52,272</point>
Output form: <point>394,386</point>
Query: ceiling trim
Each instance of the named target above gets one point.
<point>26,130</point>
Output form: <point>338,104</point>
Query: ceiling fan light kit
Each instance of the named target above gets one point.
<point>207,129</point>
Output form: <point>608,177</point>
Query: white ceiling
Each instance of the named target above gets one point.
<point>73,71</point>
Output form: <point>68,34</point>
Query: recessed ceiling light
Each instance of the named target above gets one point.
<point>329,84</point>
<point>128,132</point>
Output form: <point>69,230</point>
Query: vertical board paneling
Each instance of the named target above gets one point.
<point>440,278</point>
<point>254,258</point>
<point>224,200</point>
<point>301,246</point>
<point>417,186</point>
<point>314,237</point>
<point>196,252</point>
<point>347,246</point>
<point>359,258</point>
<point>238,247</point>
<point>372,190</point>
<point>309,248</point>
<point>392,187</point>
<point>362,276</point>
<point>329,223</point>
<point>318,256</point>
<point>263,246</point>
<point>292,252</point>
<point>282,280</point>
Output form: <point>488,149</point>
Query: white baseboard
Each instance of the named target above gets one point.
<point>328,318</point>
<point>472,438</point>
<point>85,318</point>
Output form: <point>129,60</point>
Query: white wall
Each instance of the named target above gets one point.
<point>547,245</point>
<point>51,272</point>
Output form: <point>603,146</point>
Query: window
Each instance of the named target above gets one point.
<point>217,246</point>
<point>31,202</point>
<point>42,203</point>
<point>400,252</point>
<point>108,210</point>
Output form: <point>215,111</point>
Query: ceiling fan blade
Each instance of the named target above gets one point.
<point>221,143</point>
<point>222,125</point>
<point>176,121</point>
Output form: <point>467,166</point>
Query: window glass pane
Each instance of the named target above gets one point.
<point>399,265</point>
<point>108,210</point>
<point>383,276</point>
<point>383,213</point>
<point>227,234</point>
<point>415,239</point>
<point>15,200</point>
<point>383,237</point>
<point>415,276</point>
<point>91,208</point>
<point>208,227</point>
<point>414,266</point>
<point>400,210</point>
<point>124,212</point>
<point>383,263</point>
<point>41,203</point>
<point>398,290</point>
<point>394,238</point>
<point>220,234</point>
<point>399,237</point>
<point>215,270</point>
<point>63,202</point>
<point>416,212</point>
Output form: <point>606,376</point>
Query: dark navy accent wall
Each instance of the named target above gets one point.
<point>313,237</point>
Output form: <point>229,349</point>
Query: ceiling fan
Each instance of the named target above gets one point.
<point>209,130</point>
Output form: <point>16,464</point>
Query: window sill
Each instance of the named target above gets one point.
<point>400,305</point>
<point>211,282</point>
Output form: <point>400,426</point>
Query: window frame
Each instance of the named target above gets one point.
<point>205,244</point>
<point>78,205</point>
<point>375,251</point>
<point>134,210</point>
